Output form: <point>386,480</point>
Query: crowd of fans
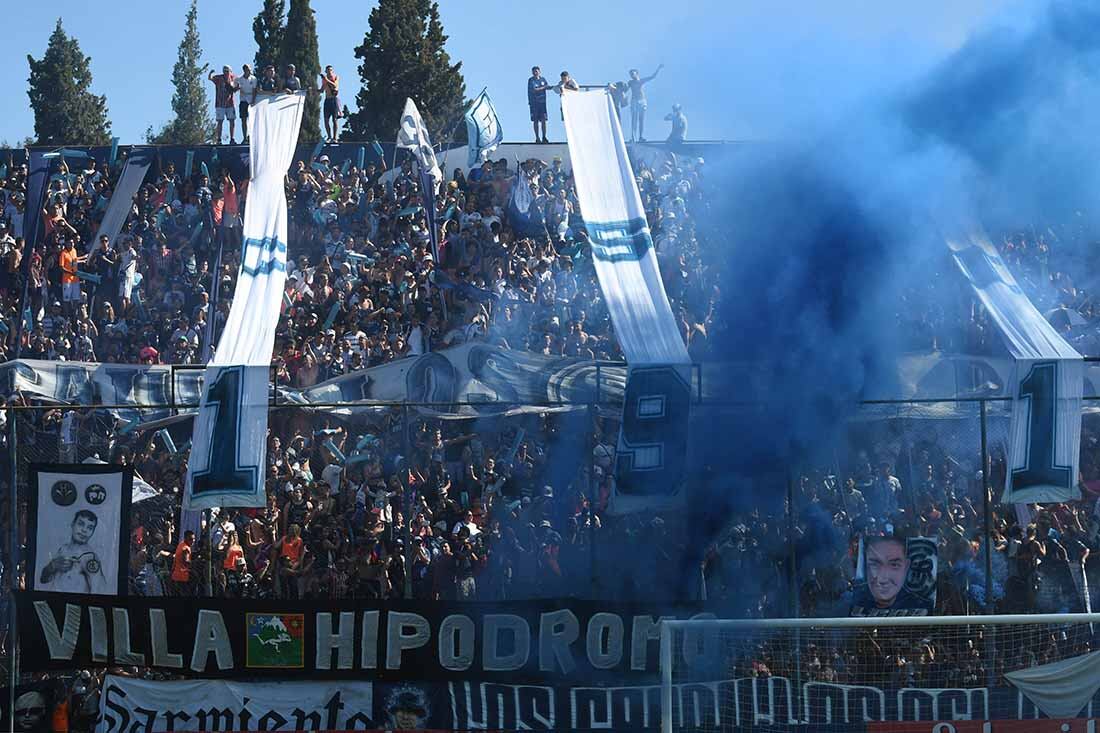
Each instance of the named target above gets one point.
<point>489,512</point>
<point>484,501</point>
<point>402,503</point>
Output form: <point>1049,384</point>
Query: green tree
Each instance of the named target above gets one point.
<point>268,29</point>
<point>192,124</point>
<point>300,49</point>
<point>403,55</point>
<point>65,110</point>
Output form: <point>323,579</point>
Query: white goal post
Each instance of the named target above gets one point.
<point>722,674</point>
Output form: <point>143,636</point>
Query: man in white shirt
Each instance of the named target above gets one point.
<point>14,212</point>
<point>67,436</point>
<point>468,523</point>
<point>246,84</point>
<point>127,274</point>
<point>7,241</point>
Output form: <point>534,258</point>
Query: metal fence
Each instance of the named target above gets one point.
<point>947,454</point>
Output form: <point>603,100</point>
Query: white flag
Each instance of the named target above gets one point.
<point>414,136</point>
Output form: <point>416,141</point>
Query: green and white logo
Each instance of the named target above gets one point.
<point>275,641</point>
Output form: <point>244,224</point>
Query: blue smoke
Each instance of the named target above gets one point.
<point>828,237</point>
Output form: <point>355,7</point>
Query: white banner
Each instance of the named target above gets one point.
<point>413,135</point>
<point>1047,388</point>
<point>93,383</point>
<point>129,705</point>
<point>652,449</point>
<point>226,467</point>
<point>482,375</point>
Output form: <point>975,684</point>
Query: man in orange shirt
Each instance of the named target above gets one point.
<point>70,282</point>
<point>181,565</point>
<point>290,550</point>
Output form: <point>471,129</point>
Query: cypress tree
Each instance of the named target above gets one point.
<point>300,49</point>
<point>65,110</point>
<point>268,29</point>
<point>403,55</point>
<point>192,124</point>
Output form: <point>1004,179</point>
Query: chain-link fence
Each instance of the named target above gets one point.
<point>509,501</point>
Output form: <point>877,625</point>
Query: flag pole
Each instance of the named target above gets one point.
<point>427,198</point>
<point>12,568</point>
<point>32,222</point>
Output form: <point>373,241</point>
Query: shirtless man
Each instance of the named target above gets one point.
<point>75,568</point>
<point>330,85</point>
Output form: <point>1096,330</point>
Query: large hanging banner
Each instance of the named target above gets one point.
<point>228,446</point>
<point>765,702</point>
<point>1045,435</point>
<point>392,641</point>
<point>653,443</point>
<point>81,533</point>
<point>209,705</point>
<point>472,380</point>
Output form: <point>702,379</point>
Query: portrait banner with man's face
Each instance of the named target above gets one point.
<point>80,539</point>
<point>895,576</point>
<point>33,708</point>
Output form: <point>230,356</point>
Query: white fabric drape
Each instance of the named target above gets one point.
<point>228,446</point>
<point>1045,433</point>
<point>622,249</point>
<point>650,458</point>
<point>1060,689</point>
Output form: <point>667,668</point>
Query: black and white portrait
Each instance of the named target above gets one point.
<point>80,531</point>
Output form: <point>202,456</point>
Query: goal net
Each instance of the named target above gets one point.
<point>866,674</point>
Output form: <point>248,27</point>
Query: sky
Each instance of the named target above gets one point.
<point>742,69</point>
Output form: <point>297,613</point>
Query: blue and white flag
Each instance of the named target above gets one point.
<point>519,208</point>
<point>482,129</point>
<point>229,442</point>
<point>652,451</point>
<point>1044,448</point>
<point>413,135</point>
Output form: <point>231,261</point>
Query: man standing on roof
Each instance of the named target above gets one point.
<point>225,85</point>
<point>330,85</point>
<point>638,102</point>
<point>536,100</point>
<point>246,85</point>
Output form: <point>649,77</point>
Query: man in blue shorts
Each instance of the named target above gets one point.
<point>330,85</point>
<point>536,100</point>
